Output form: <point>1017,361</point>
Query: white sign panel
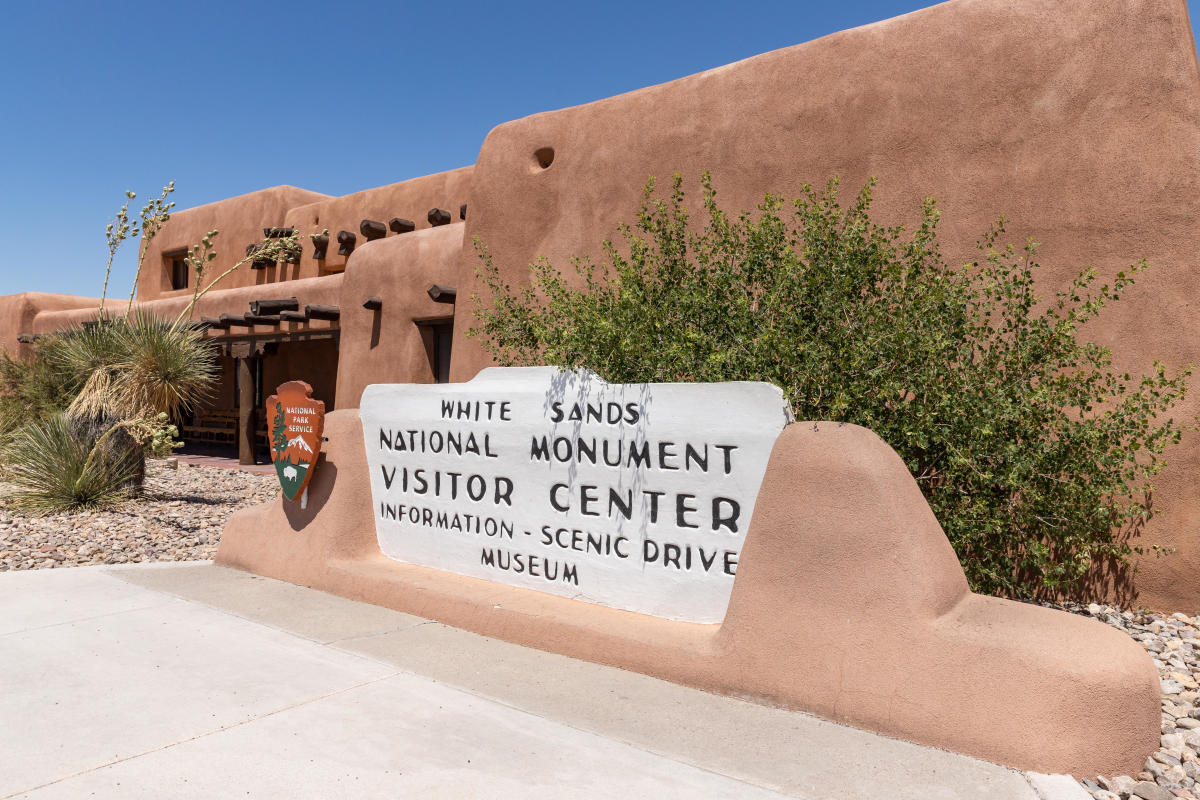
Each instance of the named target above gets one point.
<point>635,496</point>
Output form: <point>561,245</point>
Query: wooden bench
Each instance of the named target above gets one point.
<point>218,426</point>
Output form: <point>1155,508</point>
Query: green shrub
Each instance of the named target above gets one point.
<point>1032,452</point>
<point>65,462</point>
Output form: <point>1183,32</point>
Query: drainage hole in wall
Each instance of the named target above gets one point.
<point>543,157</point>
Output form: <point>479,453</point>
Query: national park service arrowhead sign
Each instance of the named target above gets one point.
<point>296,421</point>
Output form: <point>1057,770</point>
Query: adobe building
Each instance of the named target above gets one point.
<point>1080,122</point>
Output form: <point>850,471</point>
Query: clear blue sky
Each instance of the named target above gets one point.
<point>227,97</point>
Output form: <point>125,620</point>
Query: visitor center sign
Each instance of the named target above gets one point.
<point>634,496</point>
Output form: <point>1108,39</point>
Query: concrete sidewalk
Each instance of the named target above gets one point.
<point>191,680</point>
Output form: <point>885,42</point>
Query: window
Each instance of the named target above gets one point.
<point>177,269</point>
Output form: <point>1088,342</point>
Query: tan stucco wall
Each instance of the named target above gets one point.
<point>411,199</point>
<point>1079,121</point>
<point>17,313</point>
<point>848,602</point>
<point>386,346</point>
<point>240,221</point>
<point>321,291</point>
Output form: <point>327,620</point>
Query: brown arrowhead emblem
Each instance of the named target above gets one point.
<point>296,422</point>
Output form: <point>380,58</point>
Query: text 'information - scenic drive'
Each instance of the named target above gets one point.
<point>634,496</point>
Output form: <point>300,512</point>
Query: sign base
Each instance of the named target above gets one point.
<point>848,603</point>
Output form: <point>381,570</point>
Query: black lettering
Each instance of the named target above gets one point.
<point>387,479</point>
<point>632,415</point>
<point>385,439</point>
<point>587,496</point>
<point>663,455</point>
<point>671,555</point>
<point>649,556</point>
<point>476,487</point>
<point>727,449</point>
<point>617,547</point>
<point>690,453</point>
<point>624,508</point>
<point>539,451</point>
<point>642,457</point>
<point>612,462</point>
<point>681,508</point>
<point>719,520</point>
<point>653,503</point>
<point>556,414</point>
<point>504,490</point>
<point>554,498</point>
<point>731,559</point>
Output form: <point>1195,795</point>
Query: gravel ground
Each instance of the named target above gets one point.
<point>183,511</point>
<point>1173,642</point>
<point>179,518</point>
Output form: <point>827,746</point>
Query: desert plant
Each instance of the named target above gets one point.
<point>138,367</point>
<point>66,462</point>
<point>1033,453</point>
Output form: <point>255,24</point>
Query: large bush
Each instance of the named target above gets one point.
<point>1034,454</point>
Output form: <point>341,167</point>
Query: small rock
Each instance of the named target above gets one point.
<point>1150,791</point>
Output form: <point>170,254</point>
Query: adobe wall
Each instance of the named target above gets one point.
<point>386,346</point>
<point>411,200</point>
<point>1079,121</point>
<point>321,291</point>
<point>240,221</point>
<point>17,313</point>
<point>848,602</point>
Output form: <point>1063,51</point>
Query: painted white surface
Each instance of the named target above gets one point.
<point>653,523</point>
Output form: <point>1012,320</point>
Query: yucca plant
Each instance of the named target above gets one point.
<point>65,462</point>
<point>140,367</point>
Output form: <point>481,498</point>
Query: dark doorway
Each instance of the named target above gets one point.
<point>438,336</point>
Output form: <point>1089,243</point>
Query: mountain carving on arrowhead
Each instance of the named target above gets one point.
<point>299,443</point>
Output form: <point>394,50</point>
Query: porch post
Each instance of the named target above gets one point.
<point>246,415</point>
